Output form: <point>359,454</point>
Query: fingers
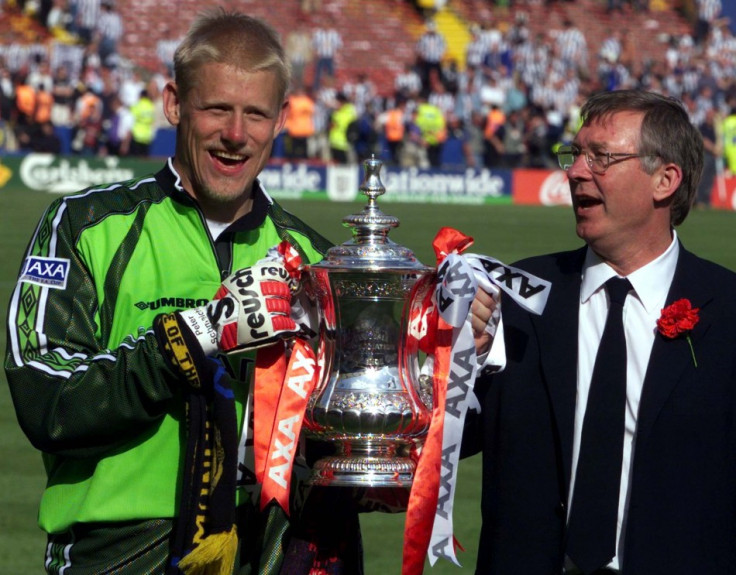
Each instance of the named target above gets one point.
<point>283,324</point>
<point>276,288</point>
<point>482,319</point>
<point>481,311</point>
<point>278,306</point>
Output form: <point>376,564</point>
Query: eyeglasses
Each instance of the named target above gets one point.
<point>598,162</point>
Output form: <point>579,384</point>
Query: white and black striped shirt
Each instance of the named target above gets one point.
<point>709,10</point>
<point>327,42</point>
<point>431,47</point>
<point>110,26</point>
<point>88,12</point>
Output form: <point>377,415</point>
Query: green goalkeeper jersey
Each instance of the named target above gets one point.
<point>90,386</point>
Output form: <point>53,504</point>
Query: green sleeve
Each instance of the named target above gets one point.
<point>72,395</point>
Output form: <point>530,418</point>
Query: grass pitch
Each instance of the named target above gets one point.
<point>504,232</point>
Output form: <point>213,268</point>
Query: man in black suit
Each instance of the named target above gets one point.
<point>634,168</point>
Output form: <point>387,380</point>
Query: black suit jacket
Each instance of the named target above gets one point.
<point>682,508</point>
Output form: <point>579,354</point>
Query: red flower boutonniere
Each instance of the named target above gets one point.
<point>677,319</point>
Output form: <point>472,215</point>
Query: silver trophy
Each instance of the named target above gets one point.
<point>371,400</point>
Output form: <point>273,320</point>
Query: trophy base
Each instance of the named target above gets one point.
<point>365,471</point>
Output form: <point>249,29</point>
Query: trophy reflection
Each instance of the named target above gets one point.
<point>370,400</point>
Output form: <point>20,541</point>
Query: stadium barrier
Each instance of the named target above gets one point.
<point>64,174</point>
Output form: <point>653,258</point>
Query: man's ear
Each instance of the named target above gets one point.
<point>283,113</point>
<point>171,103</point>
<point>667,179</point>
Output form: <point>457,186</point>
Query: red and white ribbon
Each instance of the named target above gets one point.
<point>281,392</point>
<point>275,458</point>
<point>429,521</point>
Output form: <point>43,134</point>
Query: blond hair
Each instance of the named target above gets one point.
<point>231,38</point>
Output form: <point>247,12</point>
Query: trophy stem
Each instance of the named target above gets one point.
<point>365,463</point>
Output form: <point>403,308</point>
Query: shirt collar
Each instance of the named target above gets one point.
<point>650,282</point>
<point>170,180</point>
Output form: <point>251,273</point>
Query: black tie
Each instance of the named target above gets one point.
<point>591,538</point>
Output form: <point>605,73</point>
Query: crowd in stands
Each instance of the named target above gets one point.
<point>513,98</point>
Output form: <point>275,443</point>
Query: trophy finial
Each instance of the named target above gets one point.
<point>372,185</point>
<point>371,225</point>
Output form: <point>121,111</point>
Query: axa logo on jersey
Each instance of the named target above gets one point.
<point>45,271</point>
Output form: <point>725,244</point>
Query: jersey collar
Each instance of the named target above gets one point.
<point>170,182</point>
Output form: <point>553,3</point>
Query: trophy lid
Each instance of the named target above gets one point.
<point>370,248</point>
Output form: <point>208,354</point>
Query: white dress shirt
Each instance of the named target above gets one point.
<point>642,308</point>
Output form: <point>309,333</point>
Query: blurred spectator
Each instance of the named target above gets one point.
<point>161,77</point>
<point>609,54</point>
<point>325,100</point>
<point>91,75</point>
<point>88,123</point>
<point>41,75</point>
<point>572,47</point>
<point>165,48</point>
<point>450,75</point>
<point>414,153</point>
<point>60,20</point>
<point>364,135</point>
<point>25,101</point>
<point>131,87</point>
<point>362,93</point>
<point>493,136</point>
<point>475,51</point>
<point>491,36</point>
<point>44,104</point>
<point>342,130</point>
<point>712,149</point>
<point>433,128</point>
<point>519,32</point>
<point>498,59</point>
<point>86,16</point>
<point>431,48</point>
<point>156,95</point>
<point>474,140</point>
<point>444,100</point>
<point>299,123</point>
<point>708,12</point>
<point>729,137</point>
<point>492,92</point>
<point>144,125</point>
<point>45,139</point>
<point>110,90</point>
<point>63,92</point>
<point>408,83</point>
<point>109,30</point>
<point>70,56</point>
<point>118,129</point>
<point>298,48</point>
<point>536,141</point>
<point>393,121</point>
<point>327,42</point>
<point>467,98</point>
<point>513,140</point>
<point>7,93</point>
<point>516,98</point>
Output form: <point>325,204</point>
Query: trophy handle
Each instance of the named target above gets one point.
<point>417,332</point>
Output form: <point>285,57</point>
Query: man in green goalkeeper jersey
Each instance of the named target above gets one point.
<point>110,271</point>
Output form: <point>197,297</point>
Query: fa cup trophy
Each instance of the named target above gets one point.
<point>370,400</point>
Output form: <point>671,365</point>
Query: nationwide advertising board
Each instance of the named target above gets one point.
<point>64,174</point>
<point>67,173</point>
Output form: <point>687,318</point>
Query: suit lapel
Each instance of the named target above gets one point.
<point>671,358</point>
<point>557,328</point>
